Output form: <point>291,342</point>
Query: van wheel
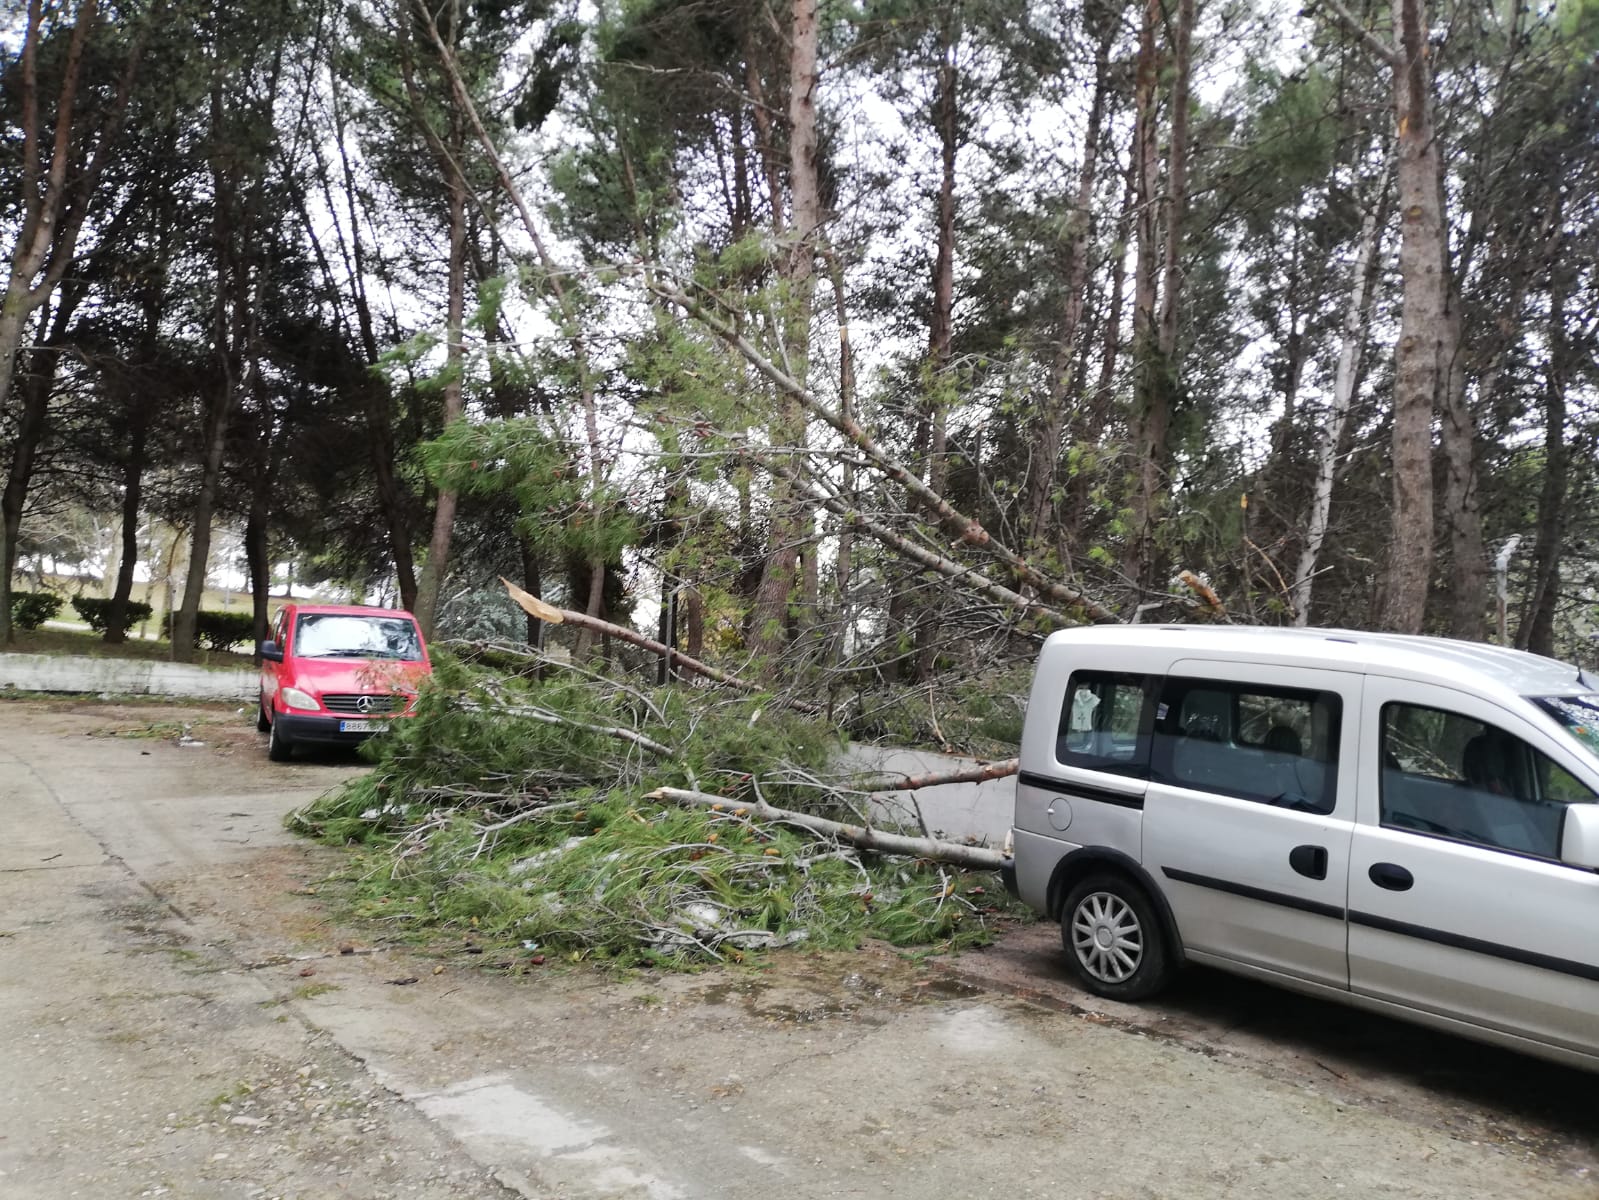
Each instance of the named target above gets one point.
<point>279,748</point>
<point>261,722</point>
<point>1113,939</point>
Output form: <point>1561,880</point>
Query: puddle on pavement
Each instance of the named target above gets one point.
<point>813,997</point>
<point>944,988</point>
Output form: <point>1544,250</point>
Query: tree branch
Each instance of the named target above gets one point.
<point>566,616</point>
<point>981,773</point>
<point>979,858</point>
<point>1373,44</point>
<point>968,529</point>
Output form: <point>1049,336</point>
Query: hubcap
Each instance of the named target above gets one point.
<point>1107,937</point>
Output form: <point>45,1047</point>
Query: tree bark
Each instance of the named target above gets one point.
<point>1537,631</point>
<point>1345,378</point>
<point>37,385</point>
<point>978,858</point>
<point>436,564</point>
<point>1425,349</point>
<point>1063,377</point>
<point>1153,383</point>
<point>788,525</point>
<point>844,556</point>
<point>116,630</point>
<point>54,203</point>
<point>375,394</point>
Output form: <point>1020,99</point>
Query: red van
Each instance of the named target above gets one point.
<point>335,674</point>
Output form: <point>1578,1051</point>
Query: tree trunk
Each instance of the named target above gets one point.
<point>379,423</point>
<point>844,556</point>
<point>788,524</point>
<point>1343,399</point>
<point>940,387</point>
<point>1063,378</point>
<point>232,315</point>
<point>1537,632</point>
<point>36,388</point>
<point>116,630</point>
<point>534,583</point>
<point>437,563</point>
<point>1151,401</point>
<point>259,568</point>
<point>1424,352</point>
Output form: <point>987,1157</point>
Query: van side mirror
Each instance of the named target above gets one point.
<point>1579,843</point>
<point>271,652</point>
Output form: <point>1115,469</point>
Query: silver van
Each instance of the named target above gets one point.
<point>1402,823</point>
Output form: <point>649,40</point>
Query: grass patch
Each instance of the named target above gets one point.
<point>92,645</point>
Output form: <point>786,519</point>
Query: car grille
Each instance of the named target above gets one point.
<point>352,704</point>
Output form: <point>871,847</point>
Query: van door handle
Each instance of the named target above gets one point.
<point>1309,861</point>
<point>1391,876</point>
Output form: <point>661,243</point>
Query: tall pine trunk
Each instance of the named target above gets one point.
<point>1064,381</point>
<point>1160,236</point>
<point>1425,350</point>
<point>436,565</point>
<point>789,521</point>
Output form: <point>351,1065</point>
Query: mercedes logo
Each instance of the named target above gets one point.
<point>364,703</point>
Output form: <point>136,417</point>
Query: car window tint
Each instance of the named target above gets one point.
<point>1104,724</point>
<point>1270,745</point>
<point>1450,775</point>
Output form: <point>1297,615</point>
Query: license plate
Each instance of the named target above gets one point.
<point>363,726</point>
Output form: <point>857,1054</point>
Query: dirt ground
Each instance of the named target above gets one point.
<point>181,1017</point>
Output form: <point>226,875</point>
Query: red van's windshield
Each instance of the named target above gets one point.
<point>343,635</point>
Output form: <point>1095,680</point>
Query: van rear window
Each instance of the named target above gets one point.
<point>1105,723</point>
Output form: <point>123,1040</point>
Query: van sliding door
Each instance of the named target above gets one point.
<point>1250,811</point>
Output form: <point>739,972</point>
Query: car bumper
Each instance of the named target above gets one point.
<point>1007,876</point>
<point>294,727</point>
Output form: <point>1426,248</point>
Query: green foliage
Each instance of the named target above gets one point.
<point>223,630</point>
<point>522,459</point>
<point>96,612</point>
<point>217,630</point>
<point>29,610</point>
<point>540,831</point>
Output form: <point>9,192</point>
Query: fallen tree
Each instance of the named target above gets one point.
<point>563,812</point>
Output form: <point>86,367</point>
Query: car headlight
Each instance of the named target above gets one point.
<point>295,698</point>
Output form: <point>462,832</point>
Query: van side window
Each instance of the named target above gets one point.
<point>1104,724</point>
<point>1450,775</point>
<point>1271,745</point>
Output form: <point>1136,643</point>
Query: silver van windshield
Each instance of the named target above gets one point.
<point>1578,716</point>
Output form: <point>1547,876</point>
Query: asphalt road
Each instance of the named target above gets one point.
<point>180,1017</point>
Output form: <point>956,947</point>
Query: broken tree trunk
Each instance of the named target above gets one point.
<point>979,858</point>
<point>981,773</point>
<point>566,616</point>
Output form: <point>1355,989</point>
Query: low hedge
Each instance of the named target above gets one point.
<point>96,611</point>
<point>217,630</point>
<point>29,610</point>
<point>223,630</point>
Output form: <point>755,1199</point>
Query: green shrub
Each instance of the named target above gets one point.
<point>29,610</point>
<point>96,611</point>
<point>223,630</point>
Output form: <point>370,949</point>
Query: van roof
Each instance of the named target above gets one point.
<point>347,610</point>
<point>1440,660</point>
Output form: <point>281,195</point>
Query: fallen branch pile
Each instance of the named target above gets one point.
<point>571,814</point>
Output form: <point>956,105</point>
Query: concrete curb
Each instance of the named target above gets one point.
<point>122,676</point>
